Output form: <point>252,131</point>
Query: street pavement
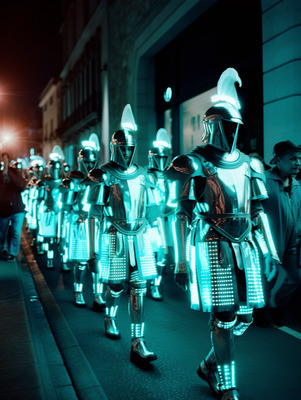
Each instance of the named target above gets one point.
<point>51,349</point>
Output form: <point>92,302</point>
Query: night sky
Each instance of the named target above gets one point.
<point>29,56</point>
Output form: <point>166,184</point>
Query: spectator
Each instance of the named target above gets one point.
<point>284,213</point>
<point>12,214</point>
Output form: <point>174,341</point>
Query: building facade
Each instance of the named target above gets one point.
<point>164,57</point>
<point>50,103</point>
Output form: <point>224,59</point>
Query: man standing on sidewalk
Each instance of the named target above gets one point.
<point>12,213</point>
<point>283,210</point>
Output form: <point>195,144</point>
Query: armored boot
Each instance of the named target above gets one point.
<point>79,279</point>
<point>99,303</point>
<point>140,353</point>
<point>155,289</point>
<point>112,303</point>
<point>222,338</point>
<point>40,246</point>
<point>50,255</point>
<point>64,257</point>
<point>208,372</point>
<point>155,292</point>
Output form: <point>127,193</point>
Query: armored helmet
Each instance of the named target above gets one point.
<point>66,169</point>
<point>54,169</point>
<point>159,155</point>
<point>87,160</point>
<point>123,146</point>
<point>222,120</point>
<point>38,170</point>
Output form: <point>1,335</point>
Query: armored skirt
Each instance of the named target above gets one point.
<point>119,251</point>
<point>226,276</point>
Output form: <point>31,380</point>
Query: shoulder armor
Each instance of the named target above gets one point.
<point>39,183</point>
<point>184,164</point>
<point>96,175</point>
<point>256,165</point>
<point>258,179</point>
<point>66,183</point>
<point>181,173</point>
<point>76,174</point>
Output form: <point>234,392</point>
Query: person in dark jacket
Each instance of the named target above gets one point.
<point>284,213</point>
<point>12,213</point>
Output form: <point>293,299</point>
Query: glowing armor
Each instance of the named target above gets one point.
<point>158,161</point>
<point>124,196</point>
<point>218,191</point>
<point>48,208</point>
<point>69,189</point>
<point>78,222</point>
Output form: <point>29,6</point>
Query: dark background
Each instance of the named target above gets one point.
<point>29,57</point>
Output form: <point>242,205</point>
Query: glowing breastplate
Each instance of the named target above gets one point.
<point>126,205</point>
<point>226,202</point>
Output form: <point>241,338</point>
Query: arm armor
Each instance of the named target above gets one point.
<point>180,231</point>
<point>180,174</point>
<point>98,193</point>
<point>264,236</point>
<point>258,187</point>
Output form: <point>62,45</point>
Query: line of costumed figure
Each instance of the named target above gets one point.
<point>123,223</point>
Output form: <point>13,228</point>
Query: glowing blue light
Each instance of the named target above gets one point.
<point>127,119</point>
<point>54,156</point>
<point>161,144</point>
<point>167,94</point>
<point>216,98</point>
<point>226,90</point>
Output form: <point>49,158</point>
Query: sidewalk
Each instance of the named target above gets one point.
<point>40,358</point>
<point>19,375</point>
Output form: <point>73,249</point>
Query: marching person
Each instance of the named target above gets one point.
<point>124,193</point>
<point>218,190</point>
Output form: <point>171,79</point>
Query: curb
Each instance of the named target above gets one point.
<point>84,380</point>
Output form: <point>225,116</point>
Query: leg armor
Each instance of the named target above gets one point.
<point>222,337</point>
<point>64,255</point>
<point>98,303</point>
<point>39,242</point>
<point>50,254</point>
<point>79,279</point>
<point>139,350</point>
<point>113,295</point>
<point>155,284</point>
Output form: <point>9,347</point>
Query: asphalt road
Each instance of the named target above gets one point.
<point>268,359</point>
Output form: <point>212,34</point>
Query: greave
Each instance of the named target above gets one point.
<point>155,285</point>
<point>79,276</point>
<point>112,303</point>
<point>140,353</point>
<point>136,311</point>
<point>99,302</point>
<point>79,279</point>
<point>223,344</point>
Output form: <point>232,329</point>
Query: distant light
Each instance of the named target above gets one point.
<point>32,151</point>
<point>167,94</point>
